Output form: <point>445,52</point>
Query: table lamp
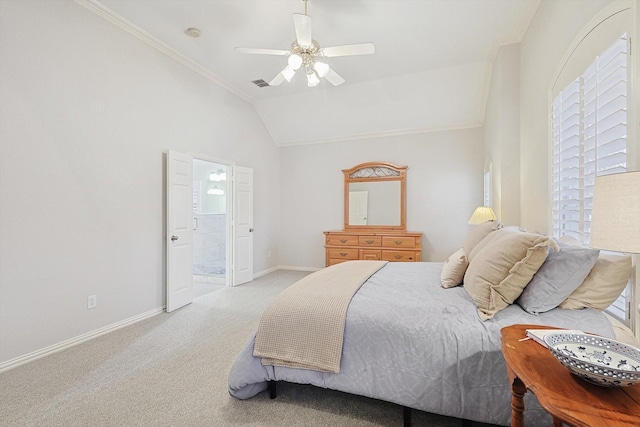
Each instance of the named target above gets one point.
<point>482,214</point>
<point>615,215</point>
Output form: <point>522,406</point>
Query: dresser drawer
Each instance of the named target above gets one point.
<point>398,242</point>
<point>370,254</point>
<point>342,240</point>
<point>339,253</point>
<point>373,241</point>
<point>399,256</point>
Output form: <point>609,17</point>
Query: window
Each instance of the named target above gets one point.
<point>487,183</point>
<point>589,137</point>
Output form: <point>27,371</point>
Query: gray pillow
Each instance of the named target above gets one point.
<point>562,272</point>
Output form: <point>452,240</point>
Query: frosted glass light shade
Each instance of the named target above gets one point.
<point>615,215</point>
<point>482,214</point>
<point>321,68</point>
<point>295,61</point>
<point>312,79</point>
<point>215,191</point>
<point>219,175</point>
<point>288,73</point>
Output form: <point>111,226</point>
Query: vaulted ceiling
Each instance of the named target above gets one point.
<point>430,70</point>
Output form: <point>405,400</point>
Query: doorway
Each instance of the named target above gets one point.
<point>187,198</point>
<point>210,226</point>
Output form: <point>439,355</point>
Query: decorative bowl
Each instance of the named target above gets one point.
<point>599,360</point>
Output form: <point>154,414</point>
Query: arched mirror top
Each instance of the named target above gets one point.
<point>375,196</point>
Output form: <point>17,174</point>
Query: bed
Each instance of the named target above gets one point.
<point>411,341</point>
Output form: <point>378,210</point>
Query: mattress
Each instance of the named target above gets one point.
<point>411,342</point>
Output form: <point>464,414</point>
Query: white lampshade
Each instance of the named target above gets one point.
<point>215,191</point>
<point>321,68</point>
<point>218,175</point>
<point>482,214</point>
<point>295,61</point>
<point>312,79</point>
<point>615,215</point>
<point>288,73</point>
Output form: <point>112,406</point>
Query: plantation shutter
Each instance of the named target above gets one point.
<point>566,163</point>
<point>589,139</point>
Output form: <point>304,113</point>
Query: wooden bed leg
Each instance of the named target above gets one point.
<point>272,389</point>
<point>406,416</point>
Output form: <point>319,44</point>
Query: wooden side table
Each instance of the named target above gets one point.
<point>569,399</point>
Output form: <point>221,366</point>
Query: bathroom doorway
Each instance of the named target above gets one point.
<point>210,226</point>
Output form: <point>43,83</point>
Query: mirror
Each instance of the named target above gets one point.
<point>374,196</point>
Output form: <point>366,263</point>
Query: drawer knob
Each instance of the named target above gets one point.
<point>397,242</point>
<point>397,256</point>
<point>343,240</point>
<point>344,253</point>
<point>369,242</point>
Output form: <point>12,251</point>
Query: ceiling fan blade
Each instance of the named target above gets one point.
<point>286,74</point>
<point>349,49</point>
<point>262,51</point>
<point>334,78</point>
<point>303,29</point>
<point>277,80</point>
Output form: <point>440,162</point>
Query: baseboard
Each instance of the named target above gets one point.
<point>284,267</point>
<point>288,267</point>
<point>21,360</point>
<point>267,271</point>
<point>30,357</point>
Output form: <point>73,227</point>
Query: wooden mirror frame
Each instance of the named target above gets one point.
<point>376,172</point>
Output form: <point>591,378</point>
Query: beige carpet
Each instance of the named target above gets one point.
<point>171,370</point>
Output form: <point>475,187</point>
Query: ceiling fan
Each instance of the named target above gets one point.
<point>306,52</point>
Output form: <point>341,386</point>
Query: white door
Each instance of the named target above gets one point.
<point>179,230</point>
<point>242,225</point>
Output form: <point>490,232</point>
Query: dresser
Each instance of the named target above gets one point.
<point>375,217</point>
<point>394,246</point>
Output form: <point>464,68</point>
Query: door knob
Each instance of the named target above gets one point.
<point>174,238</point>
<point>251,230</point>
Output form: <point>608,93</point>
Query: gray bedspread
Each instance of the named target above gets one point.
<point>411,342</point>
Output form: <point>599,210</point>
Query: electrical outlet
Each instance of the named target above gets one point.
<point>268,254</point>
<point>92,301</point>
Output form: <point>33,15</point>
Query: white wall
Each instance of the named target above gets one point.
<point>86,113</point>
<point>502,134</point>
<point>444,186</point>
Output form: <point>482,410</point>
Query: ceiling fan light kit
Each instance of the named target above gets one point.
<point>307,52</point>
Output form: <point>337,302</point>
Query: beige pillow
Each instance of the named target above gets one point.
<point>603,284</point>
<point>453,269</point>
<point>478,233</point>
<point>500,271</point>
<point>489,238</point>
<point>623,334</point>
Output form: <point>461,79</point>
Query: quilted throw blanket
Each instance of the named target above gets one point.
<point>304,326</point>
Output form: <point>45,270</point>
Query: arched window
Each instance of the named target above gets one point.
<point>589,114</point>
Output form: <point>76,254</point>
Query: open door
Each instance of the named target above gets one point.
<point>179,230</point>
<point>242,225</point>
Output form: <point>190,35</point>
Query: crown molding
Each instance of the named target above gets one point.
<point>111,16</point>
<point>385,134</point>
